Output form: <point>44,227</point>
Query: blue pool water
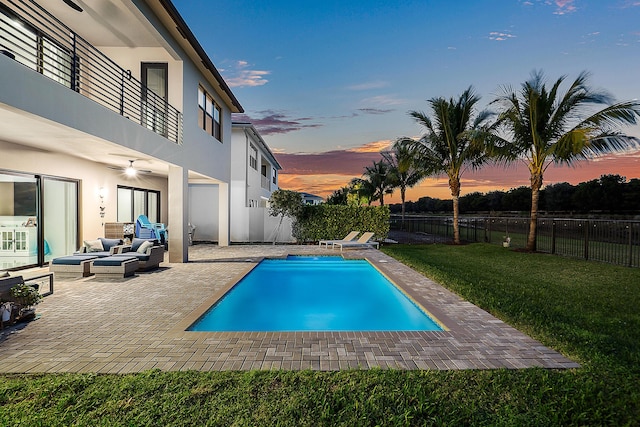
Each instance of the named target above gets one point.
<point>315,294</point>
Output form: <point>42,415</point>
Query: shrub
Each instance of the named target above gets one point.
<point>324,221</point>
<point>25,295</point>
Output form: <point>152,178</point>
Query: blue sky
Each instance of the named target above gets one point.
<point>329,84</point>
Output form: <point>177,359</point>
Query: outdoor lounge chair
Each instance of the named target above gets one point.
<point>149,255</point>
<point>116,266</point>
<point>146,229</point>
<point>362,242</point>
<point>101,247</point>
<point>72,265</point>
<point>348,238</point>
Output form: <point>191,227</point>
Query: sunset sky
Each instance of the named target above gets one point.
<point>329,83</point>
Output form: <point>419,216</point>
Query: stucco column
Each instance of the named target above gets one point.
<point>223,214</point>
<point>178,206</point>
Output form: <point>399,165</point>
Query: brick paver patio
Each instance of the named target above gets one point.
<point>136,324</point>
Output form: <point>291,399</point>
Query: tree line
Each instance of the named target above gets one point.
<point>609,194</point>
<point>539,124</point>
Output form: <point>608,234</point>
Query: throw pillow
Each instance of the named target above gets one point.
<point>136,242</point>
<point>107,244</point>
<point>144,246</point>
<point>93,245</point>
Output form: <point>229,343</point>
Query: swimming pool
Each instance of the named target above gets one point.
<point>315,294</point>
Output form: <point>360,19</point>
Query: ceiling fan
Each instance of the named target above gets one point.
<point>130,170</point>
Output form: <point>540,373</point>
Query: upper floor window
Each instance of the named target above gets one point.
<point>274,174</point>
<point>253,157</point>
<point>19,40</point>
<point>155,88</point>
<point>209,115</point>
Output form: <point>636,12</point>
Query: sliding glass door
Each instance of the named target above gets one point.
<point>18,221</point>
<point>60,207</point>
<point>38,219</point>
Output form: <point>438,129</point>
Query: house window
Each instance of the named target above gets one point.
<point>209,114</point>
<point>155,88</point>
<point>133,202</point>
<point>274,175</point>
<point>253,157</point>
<point>20,41</point>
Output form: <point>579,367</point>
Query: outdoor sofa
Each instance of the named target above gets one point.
<point>148,253</point>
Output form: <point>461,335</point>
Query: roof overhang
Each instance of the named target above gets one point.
<point>248,127</point>
<point>181,32</point>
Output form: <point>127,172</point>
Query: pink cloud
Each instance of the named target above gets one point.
<point>276,122</point>
<point>565,6</point>
<point>341,162</point>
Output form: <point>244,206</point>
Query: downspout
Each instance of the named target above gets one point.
<point>246,169</point>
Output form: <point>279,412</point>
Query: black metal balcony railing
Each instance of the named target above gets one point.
<point>38,40</point>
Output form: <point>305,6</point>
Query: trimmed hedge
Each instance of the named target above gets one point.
<point>320,222</point>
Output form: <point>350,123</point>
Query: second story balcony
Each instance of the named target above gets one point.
<point>34,37</point>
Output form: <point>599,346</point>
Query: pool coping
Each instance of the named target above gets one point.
<point>439,317</point>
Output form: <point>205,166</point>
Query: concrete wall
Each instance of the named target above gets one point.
<point>203,211</point>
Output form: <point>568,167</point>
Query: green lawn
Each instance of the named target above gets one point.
<point>588,311</point>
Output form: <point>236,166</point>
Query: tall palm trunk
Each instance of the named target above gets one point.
<point>536,184</point>
<point>454,185</point>
<point>402,194</point>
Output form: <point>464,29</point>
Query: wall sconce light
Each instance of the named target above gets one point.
<point>102,193</point>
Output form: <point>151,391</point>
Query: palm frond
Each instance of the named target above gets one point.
<point>622,113</point>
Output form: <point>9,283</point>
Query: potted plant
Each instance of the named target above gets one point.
<point>27,297</point>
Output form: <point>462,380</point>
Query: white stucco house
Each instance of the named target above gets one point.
<point>311,199</point>
<point>254,176</point>
<point>90,88</point>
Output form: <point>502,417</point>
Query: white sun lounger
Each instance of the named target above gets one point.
<point>362,242</point>
<point>348,238</point>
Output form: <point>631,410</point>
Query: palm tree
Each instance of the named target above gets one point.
<point>453,141</point>
<point>379,179</point>
<point>402,168</point>
<point>339,197</point>
<point>544,127</point>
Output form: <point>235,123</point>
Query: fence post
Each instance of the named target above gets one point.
<point>630,227</point>
<point>553,237</point>
<point>475,230</point>
<point>586,240</point>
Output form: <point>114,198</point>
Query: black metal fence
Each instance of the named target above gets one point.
<point>612,241</point>
<point>36,39</point>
